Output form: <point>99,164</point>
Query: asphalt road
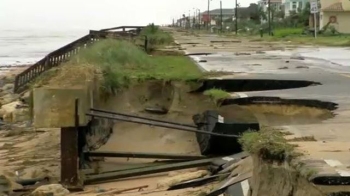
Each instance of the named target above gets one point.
<point>282,61</point>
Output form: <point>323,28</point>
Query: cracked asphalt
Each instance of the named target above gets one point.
<point>249,59</point>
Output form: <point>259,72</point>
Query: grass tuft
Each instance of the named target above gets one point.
<point>217,94</point>
<point>269,144</point>
<point>156,36</point>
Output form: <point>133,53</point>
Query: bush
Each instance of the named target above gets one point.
<point>269,144</point>
<point>285,32</point>
<point>217,94</point>
<point>156,36</point>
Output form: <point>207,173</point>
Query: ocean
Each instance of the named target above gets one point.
<point>26,46</point>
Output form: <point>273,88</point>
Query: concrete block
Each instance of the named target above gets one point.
<point>55,107</point>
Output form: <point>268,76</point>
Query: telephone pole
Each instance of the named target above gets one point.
<point>208,17</point>
<point>269,12</point>
<point>221,16</point>
<point>236,15</point>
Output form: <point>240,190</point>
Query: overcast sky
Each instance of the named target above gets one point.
<point>96,14</point>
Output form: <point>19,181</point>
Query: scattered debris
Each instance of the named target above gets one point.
<point>283,67</point>
<point>297,57</point>
<point>302,67</point>
<point>118,191</point>
<point>157,110</point>
<point>253,64</point>
<point>242,53</point>
<point>54,189</point>
<point>226,41</point>
<point>303,139</point>
<point>168,182</point>
<point>198,54</point>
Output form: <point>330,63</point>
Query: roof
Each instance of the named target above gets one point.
<point>243,12</point>
<point>336,7</point>
<point>217,12</point>
<point>271,1</point>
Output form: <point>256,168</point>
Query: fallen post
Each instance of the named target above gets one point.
<point>130,167</point>
<point>143,155</point>
<point>146,171</point>
<point>113,192</point>
<point>159,124</point>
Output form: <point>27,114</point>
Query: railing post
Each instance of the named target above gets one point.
<point>70,154</point>
<point>146,44</point>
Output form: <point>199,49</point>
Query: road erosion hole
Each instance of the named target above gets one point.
<point>243,85</point>
<point>274,111</point>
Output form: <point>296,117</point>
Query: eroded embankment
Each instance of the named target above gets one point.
<point>273,178</point>
<point>279,179</point>
<point>176,100</point>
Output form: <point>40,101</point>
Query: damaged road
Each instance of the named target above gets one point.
<point>329,154</point>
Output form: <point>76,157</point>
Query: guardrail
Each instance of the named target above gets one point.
<point>63,54</point>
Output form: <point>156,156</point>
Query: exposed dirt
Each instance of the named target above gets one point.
<point>277,115</point>
<point>279,180</point>
<point>181,106</point>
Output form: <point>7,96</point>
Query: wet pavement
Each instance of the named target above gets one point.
<point>328,66</point>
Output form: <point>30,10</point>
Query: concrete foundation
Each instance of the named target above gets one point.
<point>55,108</point>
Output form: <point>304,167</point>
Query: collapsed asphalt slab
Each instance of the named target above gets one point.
<point>251,61</point>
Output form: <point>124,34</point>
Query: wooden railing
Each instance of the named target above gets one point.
<point>63,54</point>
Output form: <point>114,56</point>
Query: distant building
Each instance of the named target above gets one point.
<point>335,13</point>
<point>293,5</point>
<point>246,13</point>
<point>276,4</point>
<point>215,15</point>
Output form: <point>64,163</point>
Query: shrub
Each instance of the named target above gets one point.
<point>269,144</point>
<point>288,32</point>
<point>156,36</point>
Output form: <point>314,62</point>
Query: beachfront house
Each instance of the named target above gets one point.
<point>335,13</point>
<point>290,6</point>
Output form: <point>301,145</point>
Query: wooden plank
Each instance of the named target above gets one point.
<point>146,171</point>
<point>142,155</point>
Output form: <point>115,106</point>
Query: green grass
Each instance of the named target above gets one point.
<point>122,62</point>
<point>269,144</point>
<point>287,32</point>
<point>217,94</point>
<point>335,41</point>
<point>156,36</point>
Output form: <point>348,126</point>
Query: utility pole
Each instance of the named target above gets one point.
<point>208,16</point>
<point>269,13</point>
<point>221,16</point>
<point>236,15</point>
<point>199,19</point>
<point>189,19</point>
<point>194,18</point>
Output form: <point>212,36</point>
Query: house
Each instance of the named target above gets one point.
<point>335,13</point>
<point>294,6</point>
<point>246,13</point>
<point>215,15</point>
<point>276,4</point>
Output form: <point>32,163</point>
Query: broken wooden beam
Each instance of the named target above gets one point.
<point>146,171</point>
<point>114,192</point>
<point>143,155</point>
